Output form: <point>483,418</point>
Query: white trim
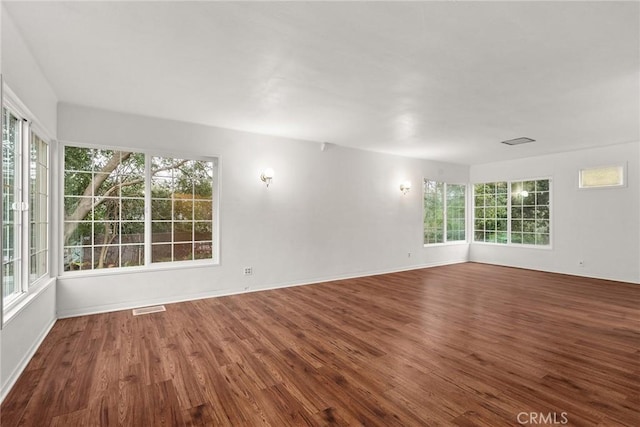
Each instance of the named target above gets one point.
<point>550,270</point>
<point>228,291</point>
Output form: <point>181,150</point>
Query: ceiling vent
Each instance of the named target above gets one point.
<point>518,141</point>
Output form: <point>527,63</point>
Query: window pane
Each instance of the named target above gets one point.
<point>203,250</point>
<point>495,213</point>
<point>535,213</point>
<point>11,194</point>
<point>456,214</point>
<point>161,231</point>
<point>132,255</point>
<point>181,207</point>
<point>203,210</point>
<point>161,253</point>
<point>433,212</point>
<point>132,232</point>
<point>106,256</point>
<point>38,212</point>
<point>98,185</point>
<point>203,231</point>
<point>182,251</point>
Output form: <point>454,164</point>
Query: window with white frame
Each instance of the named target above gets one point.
<point>515,212</point>
<point>107,194</point>
<point>25,193</point>
<point>444,212</point>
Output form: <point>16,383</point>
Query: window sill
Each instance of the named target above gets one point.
<point>23,301</point>
<point>435,245</point>
<point>143,269</point>
<point>514,245</point>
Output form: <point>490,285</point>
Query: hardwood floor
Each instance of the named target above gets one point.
<point>465,345</point>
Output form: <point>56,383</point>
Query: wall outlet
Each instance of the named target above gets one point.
<point>408,254</point>
<point>247,271</point>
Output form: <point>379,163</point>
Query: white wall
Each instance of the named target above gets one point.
<point>600,227</point>
<point>25,326</point>
<point>23,333</point>
<point>330,214</point>
<point>24,77</point>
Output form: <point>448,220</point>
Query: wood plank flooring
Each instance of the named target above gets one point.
<point>462,345</point>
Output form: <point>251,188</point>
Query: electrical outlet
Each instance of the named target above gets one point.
<point>248,271</point>
<point>408,254</point>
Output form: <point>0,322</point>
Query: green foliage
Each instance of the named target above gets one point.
<point>105,202</point>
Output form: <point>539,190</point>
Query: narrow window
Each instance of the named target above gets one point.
<point>444,212</point>
<point>38,211</point>
<point>610,176</point>
<point>11,205</point>
<point>456,201</point>
<point>490,212</point>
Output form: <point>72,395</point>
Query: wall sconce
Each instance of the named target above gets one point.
<point>405,187</point>
<point>266,176</point>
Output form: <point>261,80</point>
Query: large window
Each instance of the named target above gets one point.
<point>25,190</point>
<point>444,212</point>
<point>516,212</point>
<point>107,194</point>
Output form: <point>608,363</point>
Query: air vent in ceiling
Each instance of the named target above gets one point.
<point>518,141</point>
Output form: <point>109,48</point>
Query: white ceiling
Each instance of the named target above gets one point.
<point>439,80</point>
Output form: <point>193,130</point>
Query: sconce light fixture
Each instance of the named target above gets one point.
<point>405,187</point>
<point>266,176</point>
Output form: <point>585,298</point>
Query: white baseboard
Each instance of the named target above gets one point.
<point>235,291</point>
<point>24,361</point>
<point>556,271</point>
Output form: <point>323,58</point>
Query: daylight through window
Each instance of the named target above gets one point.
<point>106,197</point>
<point>444,212</point>
<point>516,212</point>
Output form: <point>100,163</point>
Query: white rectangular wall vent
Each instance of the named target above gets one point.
<point>148,310</point>
<point>602,177</point>
<point>518,141</point>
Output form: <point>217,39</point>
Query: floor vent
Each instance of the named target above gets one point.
<point>147,310</point>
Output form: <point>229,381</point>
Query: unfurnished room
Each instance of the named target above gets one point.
<point>356,213</point>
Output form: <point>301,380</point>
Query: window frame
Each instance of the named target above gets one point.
<point>509,243</point>
<point>445,241</point>
<point>147,264</point>
<point>30,127</point>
